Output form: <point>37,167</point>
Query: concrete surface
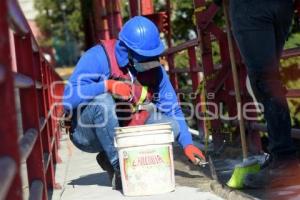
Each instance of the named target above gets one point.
<point>280,188</point>
<point>82,178</point>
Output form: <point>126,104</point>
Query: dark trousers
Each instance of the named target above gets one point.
<point>260,28</point>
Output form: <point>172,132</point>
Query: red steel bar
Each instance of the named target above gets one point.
<point>100,20</point>
<point>29,79</point>
<point>181,47</point>
<point>169,31</point>
<point>113,15</point>
<point>141,7</point>
<point>195,77</point>
<point>7,174</point>
<point>173,76</point>
<point>193,67</point>
<point>293,93</point>
<point>207,60</point>
<point>27,142</point>
<point>12,189</point>
<point>17,18</point>
<point>134,8</point>
<point>287,53</point>
<point>44,129</point>
<point>29,103</point>
<point>146,7</point>
<point>54,116</point>
<point>51,121</point>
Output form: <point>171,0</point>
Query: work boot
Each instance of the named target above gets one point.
<point>104,163</point>
<point>278,173</point>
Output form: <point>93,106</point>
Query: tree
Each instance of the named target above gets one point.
<point>61,22</point>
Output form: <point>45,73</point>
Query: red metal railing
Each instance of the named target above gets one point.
<point>208,32</point>
<point>193,69</point>
<point>218,80</point>
<point>33,78</point>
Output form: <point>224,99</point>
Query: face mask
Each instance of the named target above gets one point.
<point>138,66</point>
<point>144,64</point>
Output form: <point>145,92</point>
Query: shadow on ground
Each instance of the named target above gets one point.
<point>92,179</point>
<point>186,175</point>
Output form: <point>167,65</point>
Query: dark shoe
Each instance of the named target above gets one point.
<point>104,163</point>
<point>116,182</point>
<point>277,174</point>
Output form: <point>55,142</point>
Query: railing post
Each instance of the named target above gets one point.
<point>100,20</point>
<point>172,73</point>
<point>195,81</point>
<point>207,61</point>
<point>113,14</point>
<point>49,167</point>
<point>51,121</point>
<point>8,119</point>
<point>29,108</point>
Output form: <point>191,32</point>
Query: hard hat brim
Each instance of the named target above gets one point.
<point>150,53</point>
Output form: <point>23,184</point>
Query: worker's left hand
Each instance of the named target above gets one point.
<point>194,154</point>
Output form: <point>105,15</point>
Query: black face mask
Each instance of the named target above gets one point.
<point>151,78</point>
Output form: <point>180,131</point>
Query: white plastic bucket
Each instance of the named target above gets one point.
<point>146,159</point>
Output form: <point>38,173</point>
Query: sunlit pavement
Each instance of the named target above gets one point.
<point>82,178</point>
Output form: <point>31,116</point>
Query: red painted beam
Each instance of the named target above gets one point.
<point>288,53</point>
<point>29,109</point>
<point>293,93</point>
<point>8,118</point>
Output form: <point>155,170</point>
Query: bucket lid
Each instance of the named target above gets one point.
<point>144,128</point>
<point>143,133</point>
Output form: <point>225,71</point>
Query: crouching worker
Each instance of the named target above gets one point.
<point>119,71</point>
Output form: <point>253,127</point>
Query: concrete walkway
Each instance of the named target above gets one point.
<point>82,178</point>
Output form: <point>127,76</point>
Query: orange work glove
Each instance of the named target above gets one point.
<point>194,154</point>
<point>119,89</point>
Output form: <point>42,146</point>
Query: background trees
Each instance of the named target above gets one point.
<point>61,22</point>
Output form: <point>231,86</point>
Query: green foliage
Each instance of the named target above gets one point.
<point>182,20</point>
<point>55,16</point>
<point>61,22</point>
<point>290,75</point>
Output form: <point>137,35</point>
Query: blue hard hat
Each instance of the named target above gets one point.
<point>122,54</point>
<point>142,36</point>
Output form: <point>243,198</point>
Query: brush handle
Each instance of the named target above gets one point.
<point>235,81</point>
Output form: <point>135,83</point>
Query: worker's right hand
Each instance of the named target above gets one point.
<point>119,89</point>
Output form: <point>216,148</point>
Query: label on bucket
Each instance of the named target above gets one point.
<point>147,170</point>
